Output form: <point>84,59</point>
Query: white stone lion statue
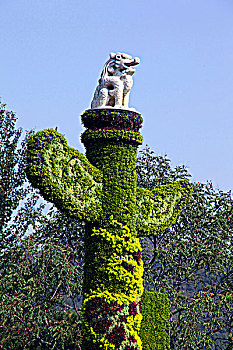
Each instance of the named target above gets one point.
<point>115,82</point>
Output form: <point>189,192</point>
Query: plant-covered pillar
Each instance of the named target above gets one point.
<point>100,189</point>
<point>113,283</point>
<point>103,195</point>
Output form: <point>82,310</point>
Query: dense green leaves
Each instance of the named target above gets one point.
<point>32,289</point>
<point>11,165</point>
<point>192,260</point>
<point>40,277</point>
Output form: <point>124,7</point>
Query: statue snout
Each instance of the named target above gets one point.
<point>133,62</point>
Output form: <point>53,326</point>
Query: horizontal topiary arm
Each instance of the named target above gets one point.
<point>158,209</point>
<point>64,176</point>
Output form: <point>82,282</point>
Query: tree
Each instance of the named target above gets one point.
<point>34,280</point>
<point>11,176</point>
<point>192,261</point>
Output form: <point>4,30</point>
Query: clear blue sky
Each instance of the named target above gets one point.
<point>53,51</point>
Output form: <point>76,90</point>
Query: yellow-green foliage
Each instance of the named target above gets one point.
<point>155,325</point>
<point>64,176</point>
<point>111,308</point>
<point>158,209</point>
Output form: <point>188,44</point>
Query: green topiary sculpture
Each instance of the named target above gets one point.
<point>100,189</point>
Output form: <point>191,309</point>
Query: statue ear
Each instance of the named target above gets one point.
<point>112,55</point>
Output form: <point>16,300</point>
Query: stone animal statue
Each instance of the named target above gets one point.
<point>115,82</point>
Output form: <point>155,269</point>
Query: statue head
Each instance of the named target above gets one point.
<point>124,60</point>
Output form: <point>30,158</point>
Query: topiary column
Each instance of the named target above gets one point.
<point>113,274</point>
<point>100,189</point>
